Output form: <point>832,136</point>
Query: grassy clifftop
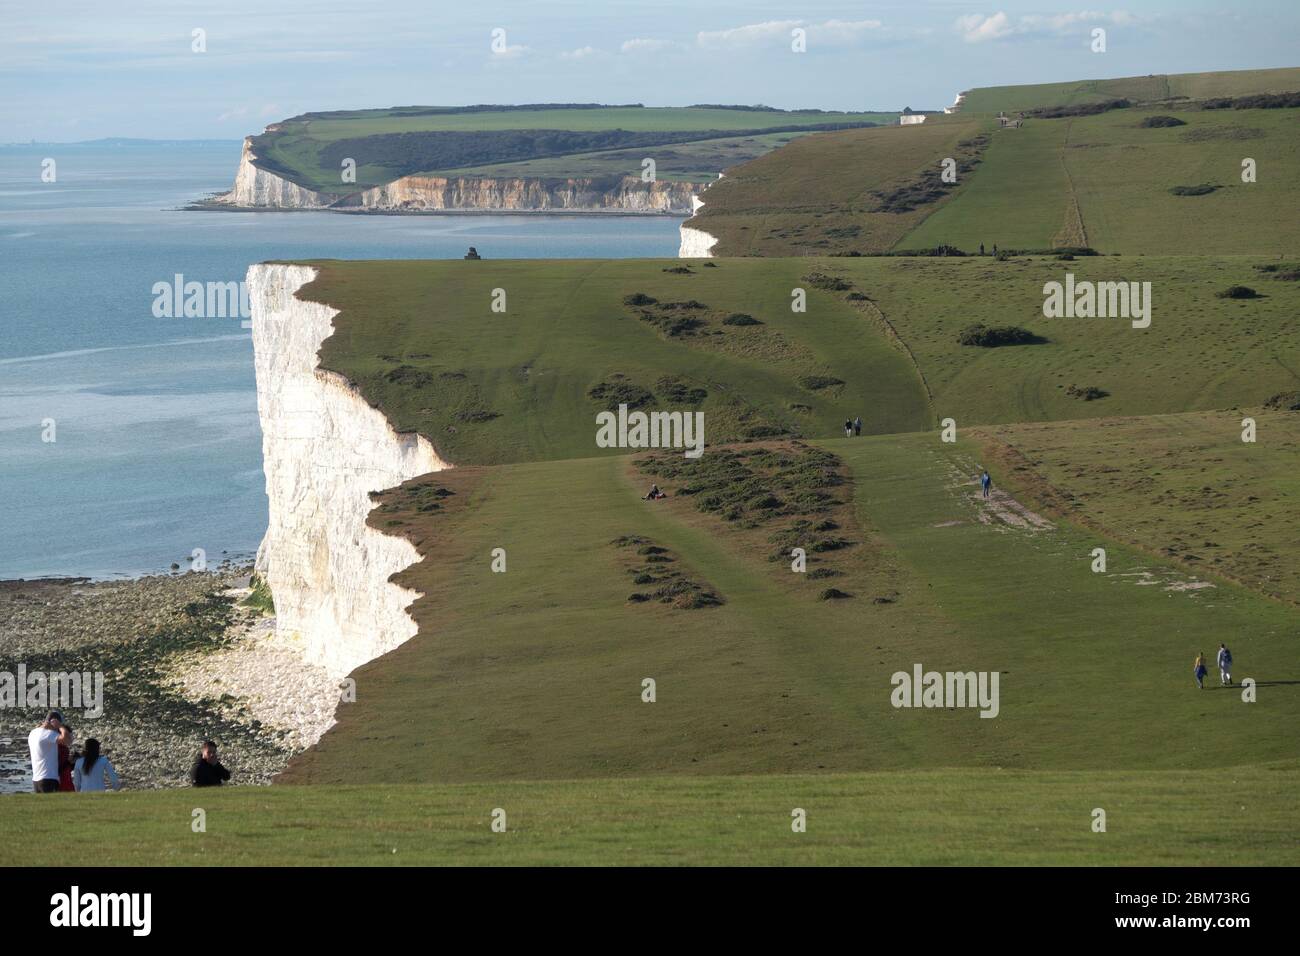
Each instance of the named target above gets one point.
<point>556,141</point>
<point>1161,176</point>
<point>1159,86</point>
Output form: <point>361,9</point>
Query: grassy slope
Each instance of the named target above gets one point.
<point>1225,818</point>
<point>991,99</point>
<point>566,329</point>
<point>1120,176</point>
<point>815,195</point>
<point>535,673</point>
<point>698,162</point>
<point>295,144</point>
<point>1200,352</point>
<point>1183,486</point>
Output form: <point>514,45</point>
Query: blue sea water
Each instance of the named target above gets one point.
<point>157,448</point>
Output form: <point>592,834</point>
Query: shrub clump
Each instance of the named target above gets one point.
<point>614,394</point>
<point>1238,292</point>
<point>815,383</point>
<point>1284,402</point>
<point>741,318</point>
<point>1283,271</point>
<point>676,392</point>
<point>639,298</point>
<point>1082,109</point>
<point>1159,122</point>
<point>830,283</point>
<point>409,375</point>
<point>1202,189</point>
<point>1088,393</point>
<point>994,336</point>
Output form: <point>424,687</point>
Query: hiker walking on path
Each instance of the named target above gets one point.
<point>1199,670</point>
<point>1225,666</point>
<point>986,483</point>
<point>848,428</point>
<point>92,768</point>
<point>44,745</point>
<point>857,425</point>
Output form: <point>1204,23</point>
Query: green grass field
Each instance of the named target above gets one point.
<point>1184,487</point>
<point>523,690</point>
<point>299,148</point>
<point>1102,181</point>
<point>991,99</point>
<point>566,330</point>
<point>932,817</point>
<point>817,195</point>
<point>1120,174</point>
<point>773,689</point>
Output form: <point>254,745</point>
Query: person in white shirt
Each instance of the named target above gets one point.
<point>89,772</point>
<point>43,742</point>
<point>1225,665</point>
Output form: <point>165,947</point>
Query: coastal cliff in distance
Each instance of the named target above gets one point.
<point>325,450</point>
<point>258,188</point>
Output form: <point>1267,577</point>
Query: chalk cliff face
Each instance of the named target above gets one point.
<point>464,193</point>
<point>256,188</point>
<point>696,243</point>
<point>325,450</point>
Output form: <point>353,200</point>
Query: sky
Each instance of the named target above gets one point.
<point>77,70</point>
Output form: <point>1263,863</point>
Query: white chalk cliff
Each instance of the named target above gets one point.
<point>325,449</point>
<point>479,193</point>
<point>256,188</point>
<point>696,243</point>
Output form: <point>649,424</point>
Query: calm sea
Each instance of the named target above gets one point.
<point>156,448</point>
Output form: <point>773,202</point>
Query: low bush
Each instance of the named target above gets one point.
<point>988,337</point>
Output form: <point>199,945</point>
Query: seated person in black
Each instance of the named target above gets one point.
<point>208,771</point>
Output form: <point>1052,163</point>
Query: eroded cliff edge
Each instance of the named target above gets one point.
<point>257,188</point>
<point>325,450</point>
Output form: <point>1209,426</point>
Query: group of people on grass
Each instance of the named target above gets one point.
<point>852,428</point>
<point>55,769</point>
<point>1225,668</point>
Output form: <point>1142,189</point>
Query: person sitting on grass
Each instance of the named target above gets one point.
<point>208,771</point>
<point>92,769</point>
<point>654,494</point>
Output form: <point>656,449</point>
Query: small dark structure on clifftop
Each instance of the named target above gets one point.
<point>472,254</point>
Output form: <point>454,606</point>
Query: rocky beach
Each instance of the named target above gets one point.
<point>184,657</point>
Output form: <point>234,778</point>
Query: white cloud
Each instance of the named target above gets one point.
<point>771,32</point>
<point>643,45</point>
<point>842,31</point>
<point>579,54</point>
<point>752,34</point>
<point>510,52</point>
<point>978,28</point>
